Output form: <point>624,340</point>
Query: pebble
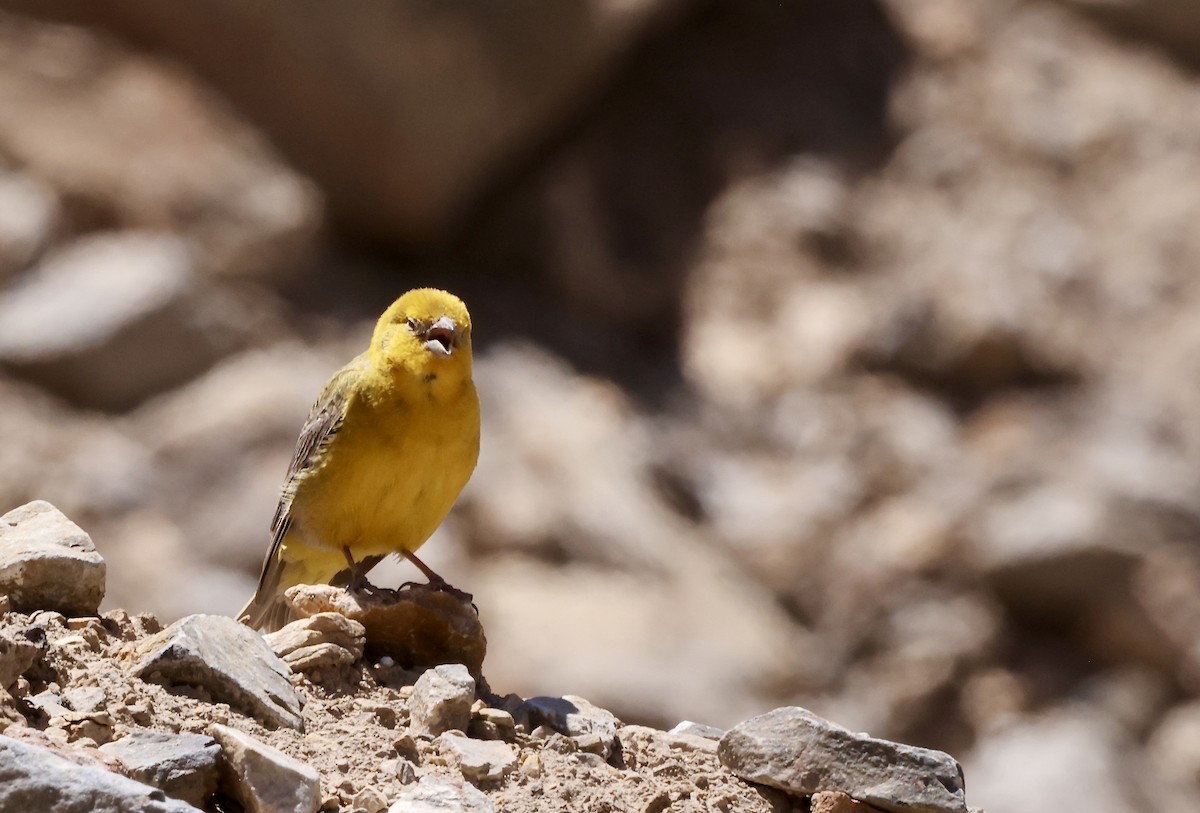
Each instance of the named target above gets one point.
<point>441,700</point>
<point>479,760</point>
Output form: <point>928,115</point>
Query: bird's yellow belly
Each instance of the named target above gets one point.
<point>381,489</point>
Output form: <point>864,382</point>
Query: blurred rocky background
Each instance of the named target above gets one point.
<point>843,353</point>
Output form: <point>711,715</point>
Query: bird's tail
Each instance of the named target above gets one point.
<point>266,612</point>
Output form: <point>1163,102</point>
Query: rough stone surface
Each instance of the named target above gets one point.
<point>418,625</point>
<point>35,778</point>
<point>47,562</point>
<point>262,778</point>
<point>184,766</point>
<point>321,641</point>
<point>479,761</point>
<point>228,659</point>
<point>792,749</point>
<point>576,718</point>
<point>436,795</point>
<point>441,700</point>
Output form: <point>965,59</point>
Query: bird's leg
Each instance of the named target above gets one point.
<point>358,579</point>
<point>436,581</point>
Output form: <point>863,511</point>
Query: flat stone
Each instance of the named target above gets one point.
<point>576,718</point>
<point>230,660</point>
<point>17,654</point>
<point>434,794</point>
<point>33,778</point>
<point>441,700</point>
<point>324,640</point>
<point>184,766</point>
<point>263,779</point>
<point>47,562</point>
<point>796,751</point>
<point>418,626</point>
<point>479,760</point>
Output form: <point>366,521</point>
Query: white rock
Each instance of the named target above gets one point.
<point>434,794</point>
<point>441,700</point>
<point>479,760</point>
<point>47,562</point>
<point>264,779</point>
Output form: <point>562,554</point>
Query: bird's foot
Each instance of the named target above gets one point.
<point>443,586</point>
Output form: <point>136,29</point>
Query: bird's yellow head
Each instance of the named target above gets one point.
<point>427,332</point>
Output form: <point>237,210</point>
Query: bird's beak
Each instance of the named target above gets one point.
<point>442,336</point>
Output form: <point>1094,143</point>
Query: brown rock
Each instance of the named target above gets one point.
<point>418,626</point>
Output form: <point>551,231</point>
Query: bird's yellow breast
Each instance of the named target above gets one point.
<point>387,478</point>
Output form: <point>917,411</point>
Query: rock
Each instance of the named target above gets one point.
<point>441,700</point>
<point>85,699</point>
<point>418,626</point>
<point>794,750</point>
<point>47,562</point>
<point>319,641</point>
<point>369,799</point>
<point>412,162</point>
<point>16,655</point>
<point>492,724</point>
<point>433,794</point>
<point>183,766</point>
<point>29,213</point>
<point>262,778</point>
<point>576,718</point>
<point>691,729</point>
<point>35,778</point>
<point>115,318</point>
<point>228,659</point>
<point>837,802</point>
<point>479,761</point>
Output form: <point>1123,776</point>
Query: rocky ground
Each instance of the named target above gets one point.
<point>328,714</point>
<point>837,354</point>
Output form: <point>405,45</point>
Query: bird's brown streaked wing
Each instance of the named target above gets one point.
<point>324,421</point>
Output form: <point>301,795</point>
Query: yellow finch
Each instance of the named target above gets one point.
<point>386,449</point>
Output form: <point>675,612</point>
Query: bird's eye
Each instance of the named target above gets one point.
<point>414,325</point>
